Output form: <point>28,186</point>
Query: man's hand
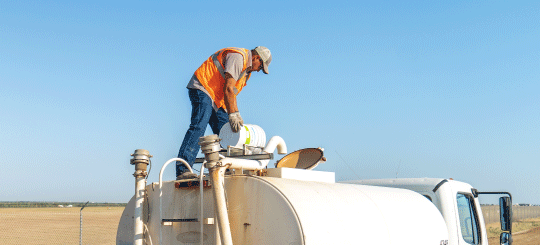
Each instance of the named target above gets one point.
<point>236,121</point>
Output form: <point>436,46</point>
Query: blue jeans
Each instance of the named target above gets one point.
<point>202,114</point>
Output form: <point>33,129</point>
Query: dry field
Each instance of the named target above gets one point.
<point>525,232</point>
<point>530,237</point>
<point>59,225</point>
<point>62,226</point>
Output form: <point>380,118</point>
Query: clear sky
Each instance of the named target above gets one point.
<point>446,89</point>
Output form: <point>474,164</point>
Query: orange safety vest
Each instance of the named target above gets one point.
<point>212,76</point>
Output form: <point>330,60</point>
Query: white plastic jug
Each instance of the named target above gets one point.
<point>249,134</point>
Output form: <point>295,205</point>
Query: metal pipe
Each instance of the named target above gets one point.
<point>216,233</point>
<point>217,174</point>
<point>245,164</point>
<point>274,142</point>
<point>141,159</point>
<point>140,183</point>
<point>210,147</point>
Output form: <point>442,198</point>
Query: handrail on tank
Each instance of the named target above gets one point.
<point>161,192</point>
<point>201,210</point>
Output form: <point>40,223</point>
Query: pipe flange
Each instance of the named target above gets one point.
<point>210,148</point>
<point>215,147</point>
<point>140,173</point>
<point>140,156</point>
<point>210,143</point>
<point>210,165</point>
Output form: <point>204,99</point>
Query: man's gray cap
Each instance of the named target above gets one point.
<point>266,57</point>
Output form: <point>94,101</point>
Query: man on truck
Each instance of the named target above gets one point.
<point>212,91</point>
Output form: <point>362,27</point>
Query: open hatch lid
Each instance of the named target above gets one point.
<point>307,158</point>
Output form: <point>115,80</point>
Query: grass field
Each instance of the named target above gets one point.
<point>59,225</point>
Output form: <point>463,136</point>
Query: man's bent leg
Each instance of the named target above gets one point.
<point>200,116</point>
<point>218,119</point>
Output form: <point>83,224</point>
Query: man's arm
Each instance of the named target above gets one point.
<point>230,96</point>
<point>235,120</point>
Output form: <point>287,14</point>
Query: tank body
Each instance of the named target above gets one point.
<point>266,210</point>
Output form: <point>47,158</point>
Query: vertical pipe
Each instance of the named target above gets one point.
<point>217,174</point>
<point>218,238</point>
<point>139,198</point>
<point>210,148</point>
<point>141,159</point>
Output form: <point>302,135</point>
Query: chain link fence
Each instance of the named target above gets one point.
<point>59,225</point>
<point>491,213</point>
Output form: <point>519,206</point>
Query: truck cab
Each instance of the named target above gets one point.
<point>458,203</point>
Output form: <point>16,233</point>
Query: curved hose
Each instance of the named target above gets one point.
<point>161,191</point>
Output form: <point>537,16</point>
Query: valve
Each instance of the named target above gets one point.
<point>141,160</point>
<point>210,148</point>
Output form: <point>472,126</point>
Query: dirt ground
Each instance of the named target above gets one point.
<point>34,226</point>
<point>530,237</point>
<point>59,225</point>
<point>524,232</point>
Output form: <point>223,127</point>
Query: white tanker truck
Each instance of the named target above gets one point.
<point>459,205</point>
<point>244,202</point>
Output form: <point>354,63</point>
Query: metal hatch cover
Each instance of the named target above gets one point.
<point>307,158</point>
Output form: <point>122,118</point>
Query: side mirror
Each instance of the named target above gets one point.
<point>506,238</point>
<point>505,204</point>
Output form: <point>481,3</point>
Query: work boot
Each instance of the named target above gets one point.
<point>187,175</point>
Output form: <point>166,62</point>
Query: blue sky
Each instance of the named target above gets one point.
<point>387,88</point>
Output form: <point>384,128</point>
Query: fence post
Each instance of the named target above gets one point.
<point>80,233</point>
